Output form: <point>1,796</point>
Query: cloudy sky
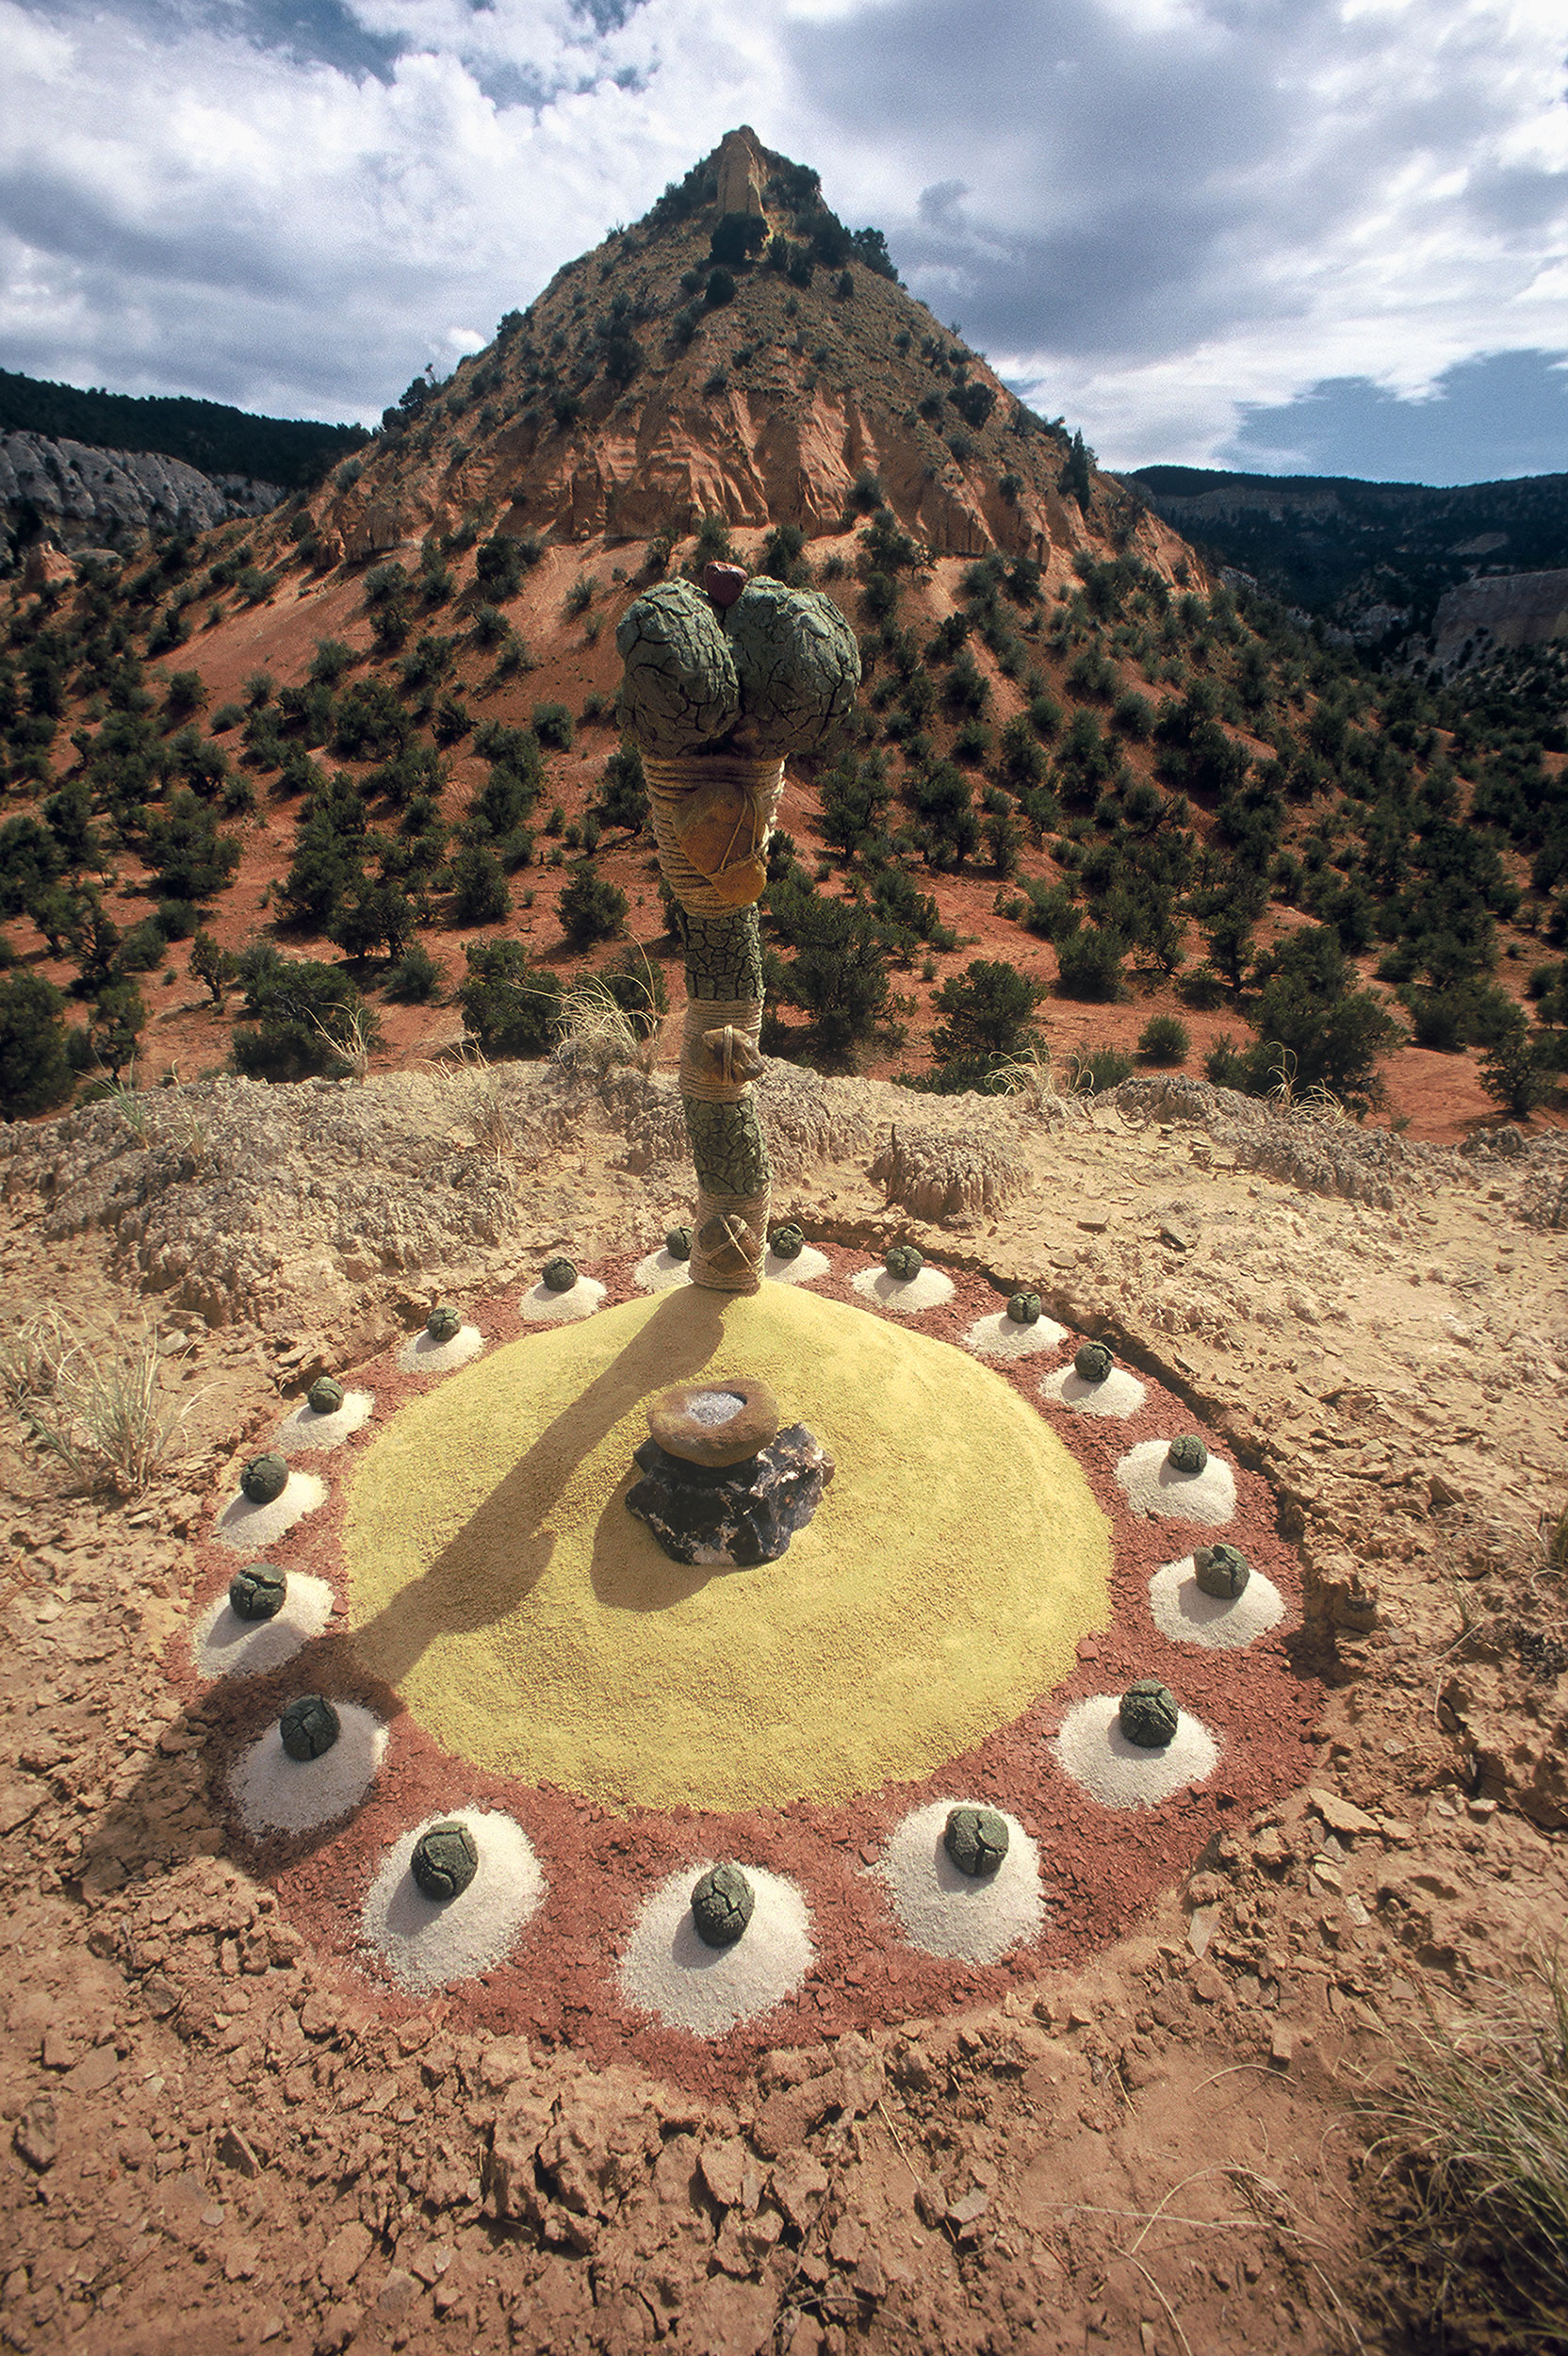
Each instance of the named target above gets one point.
<point>1324,236</point>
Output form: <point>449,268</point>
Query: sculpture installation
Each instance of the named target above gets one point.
<point>719,685</point>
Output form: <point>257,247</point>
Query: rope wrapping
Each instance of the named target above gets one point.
<point>719,1054</point>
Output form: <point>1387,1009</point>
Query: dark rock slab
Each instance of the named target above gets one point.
<point>739,1515</point>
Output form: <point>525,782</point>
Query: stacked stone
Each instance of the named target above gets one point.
<point>719,685</point>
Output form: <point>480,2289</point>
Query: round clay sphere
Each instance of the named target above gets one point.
<point>1093,1362</point>
<point>1147,1714</point>
<point>1187,1453</point>
<point>445,1860</point>
<point>1024,1308</point>
<point>904,1262</point>
<point>787,1243</point>
<point>264,1478</point>
<point>977,1840</point>
<point>325,1396</point>
<point>444,1324</point>
<point>559,1276</point>
<point>722,1904</point>
<point>1221,1571</point>
<point>679,688</point>
<point>798,664</point>
<point>258,1592</point>
<point>678,1243</point>
<point>309,1726</point>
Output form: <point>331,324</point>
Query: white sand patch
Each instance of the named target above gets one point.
<point>999,1336</point>
<point>1120,1394</point>
<point>251,1529</point>
<point>423,1355</point>
<point>660,1270</point>
<point>426,1943</point>
<point>806,1266</point>
<point>540,1306</point>
<point>227,1647</point>
<point>1151,1484</point>
<point>276,1793</point>
<point>669,1971</point>
<point>306,1429</point>
<point>905,1295</point>
<point>1182,1611</point>
<point>1092,1749</point>
<point>971,1918</point>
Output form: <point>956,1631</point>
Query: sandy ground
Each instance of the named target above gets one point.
<point>220,2133</point>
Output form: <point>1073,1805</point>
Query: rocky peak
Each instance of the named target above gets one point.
<point>741,171</point>
<point>740,353</point>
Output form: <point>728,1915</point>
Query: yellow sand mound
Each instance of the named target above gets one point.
<point>532,1625</point>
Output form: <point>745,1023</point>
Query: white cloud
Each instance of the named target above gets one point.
<point>1155,214</point>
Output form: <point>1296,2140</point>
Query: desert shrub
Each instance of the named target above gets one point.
<point>1472,1014</point>
<point>35,1067</point>
<point>188,857</point>
<point>623,795</point>
<point>554,727</point>
<point>1102,1068</point>
<point>1226,1065</point>
<point>1164,1040</point>
<point>839,974</point>
<point>374,913</point>
<point>143,948</point>
<point>415,978</point>
<point>1520,1073</point>
<point>987,1012</point>
<point>480,894</point>
<point>944,801</point>
<point>590,909</point>
<point>309,1019</point>
<point>1089,962</point>
<point>782,556</point>
<point>510,1008</point>
<point>498,566</point>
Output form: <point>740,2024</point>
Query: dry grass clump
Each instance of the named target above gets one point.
<point>93,1402</point>
<point>1474,2141</point>
<point>596,1032</point>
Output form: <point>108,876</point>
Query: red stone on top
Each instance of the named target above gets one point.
<point>723,582</point>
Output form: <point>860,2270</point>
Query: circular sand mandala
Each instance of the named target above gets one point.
<point>534,1625</point>
<point>770,1748</point>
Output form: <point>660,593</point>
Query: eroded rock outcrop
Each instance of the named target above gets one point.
<point>109,498</point>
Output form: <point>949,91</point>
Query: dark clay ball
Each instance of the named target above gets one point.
<point>309,1726</point>
<point>258,1592</point>
<point>445,1860</point>
<point>721,1905</point>
<point>264,1478</point>
<point>977,1840</point>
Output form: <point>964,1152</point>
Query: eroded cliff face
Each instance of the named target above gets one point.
<point>109,498</point>
<point>1511,610</point>
<point>640,393</point>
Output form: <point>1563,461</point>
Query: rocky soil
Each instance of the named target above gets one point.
<point>213,2140</point>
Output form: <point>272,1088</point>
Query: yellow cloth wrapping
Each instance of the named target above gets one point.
<point>713,813</point>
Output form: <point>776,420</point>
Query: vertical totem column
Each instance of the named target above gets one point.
<point>717,687</point>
